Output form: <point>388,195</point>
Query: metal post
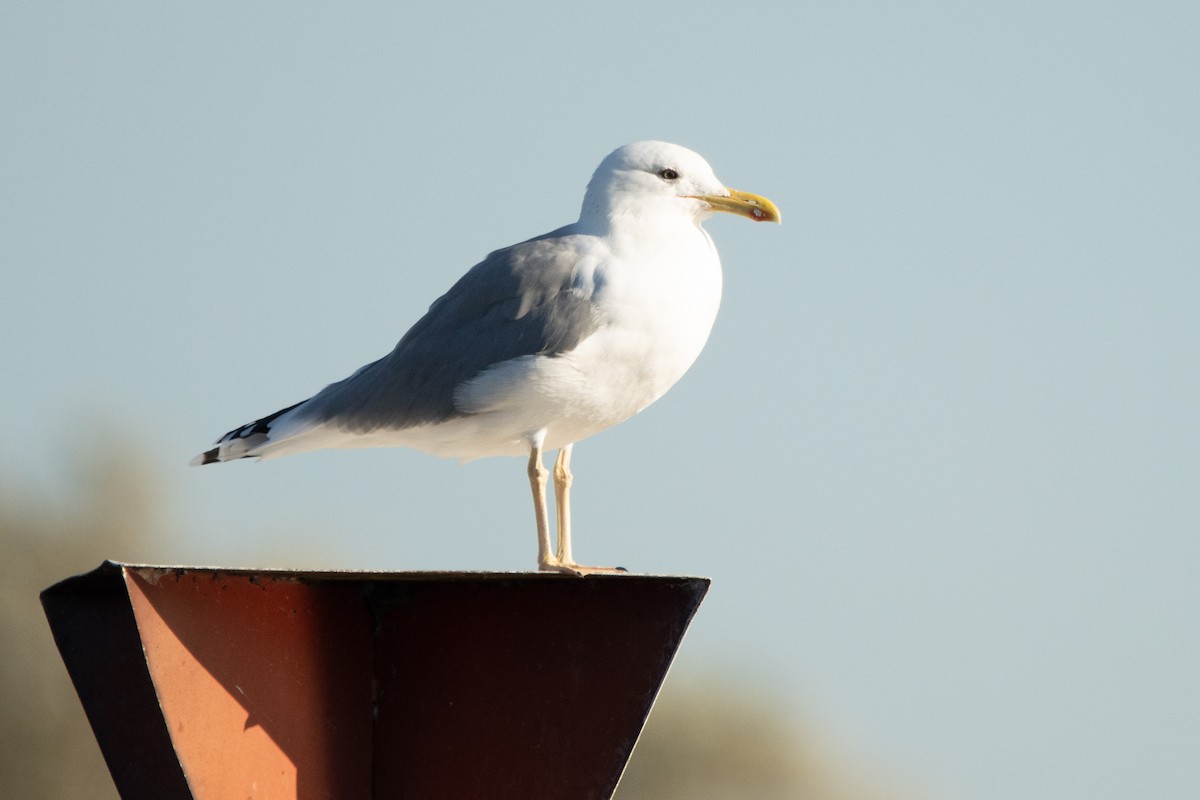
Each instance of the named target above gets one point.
<point>214,684</point>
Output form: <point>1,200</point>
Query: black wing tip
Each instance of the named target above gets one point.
<point>207,457</point>
<point>260,427</point>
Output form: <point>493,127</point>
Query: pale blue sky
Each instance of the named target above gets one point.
<point>941,456</point>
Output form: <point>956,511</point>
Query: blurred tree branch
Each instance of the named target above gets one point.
<point>46,747</point>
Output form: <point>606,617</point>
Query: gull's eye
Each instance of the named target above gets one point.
<point>668,174</point>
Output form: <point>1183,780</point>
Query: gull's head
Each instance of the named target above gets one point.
<point>649,178</point>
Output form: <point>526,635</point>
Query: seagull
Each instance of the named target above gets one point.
<point>544,343</point>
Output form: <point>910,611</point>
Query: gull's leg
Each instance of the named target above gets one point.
<point>563,560</point>
<point>537,482</point>
<point>538,476</point>
<point>562,489</point>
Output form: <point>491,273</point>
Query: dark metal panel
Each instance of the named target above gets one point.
<point>520,688</point>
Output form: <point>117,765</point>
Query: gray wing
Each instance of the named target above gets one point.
<point>523,300</point>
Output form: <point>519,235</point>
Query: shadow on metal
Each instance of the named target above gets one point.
<point>214,684</point>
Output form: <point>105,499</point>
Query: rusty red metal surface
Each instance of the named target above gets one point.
<point>220,684</point>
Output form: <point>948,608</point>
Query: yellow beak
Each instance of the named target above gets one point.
<point>744,204</point>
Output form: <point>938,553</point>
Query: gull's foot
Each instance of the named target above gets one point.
<point>578,570</point>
